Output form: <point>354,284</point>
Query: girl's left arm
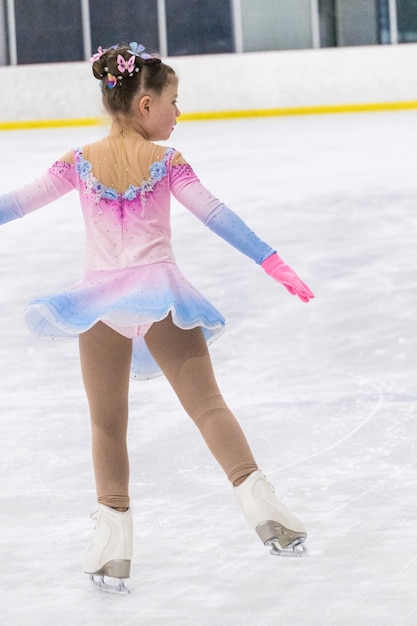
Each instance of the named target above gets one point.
<point>187,188</point>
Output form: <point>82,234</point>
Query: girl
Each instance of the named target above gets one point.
<point>134,312</point>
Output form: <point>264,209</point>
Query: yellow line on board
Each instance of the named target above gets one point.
<point>308,110</point>
<point>25,124</point>
<point>224,115</point>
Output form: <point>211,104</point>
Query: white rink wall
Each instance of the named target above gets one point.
<point>233,82</point>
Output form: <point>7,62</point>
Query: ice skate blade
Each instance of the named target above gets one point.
<point>118,569</point>
<point>294,549</point>
<point>106,587</point>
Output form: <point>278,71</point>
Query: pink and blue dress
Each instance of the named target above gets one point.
<point>131,279</point>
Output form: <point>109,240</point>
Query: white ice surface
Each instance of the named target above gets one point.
<point>326,392</point>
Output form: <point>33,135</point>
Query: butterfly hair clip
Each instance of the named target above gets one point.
<point>126,66</point>
<point>139,51</point>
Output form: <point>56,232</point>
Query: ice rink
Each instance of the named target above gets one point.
<point>326,392</point>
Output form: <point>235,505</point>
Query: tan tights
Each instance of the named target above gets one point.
<point>183,358</point>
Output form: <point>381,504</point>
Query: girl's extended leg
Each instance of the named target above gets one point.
<point>105,364</point>
<point>184,359</point>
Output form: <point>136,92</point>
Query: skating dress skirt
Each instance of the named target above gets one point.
<point>131,279</point>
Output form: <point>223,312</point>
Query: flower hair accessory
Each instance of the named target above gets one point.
<point>100,53</point>
<point>97,55</point>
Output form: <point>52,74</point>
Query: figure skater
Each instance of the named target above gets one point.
<point>134,312</point>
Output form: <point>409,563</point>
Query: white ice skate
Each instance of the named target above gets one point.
<point>111,551</point>
<point>276,526</point>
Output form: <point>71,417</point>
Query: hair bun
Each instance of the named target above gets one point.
<point>124,70</point>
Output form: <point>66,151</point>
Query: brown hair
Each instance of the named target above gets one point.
<point>120,87</point>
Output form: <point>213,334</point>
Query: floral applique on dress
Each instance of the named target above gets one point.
<point>158,170</point>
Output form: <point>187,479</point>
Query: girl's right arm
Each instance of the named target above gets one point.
<point>53,184</point>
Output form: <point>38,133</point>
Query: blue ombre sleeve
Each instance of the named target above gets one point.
<point>188,190</point>
<point>225,223</point>
<point>9,208</point>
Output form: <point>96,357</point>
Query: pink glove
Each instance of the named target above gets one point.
<point>275,267</point>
